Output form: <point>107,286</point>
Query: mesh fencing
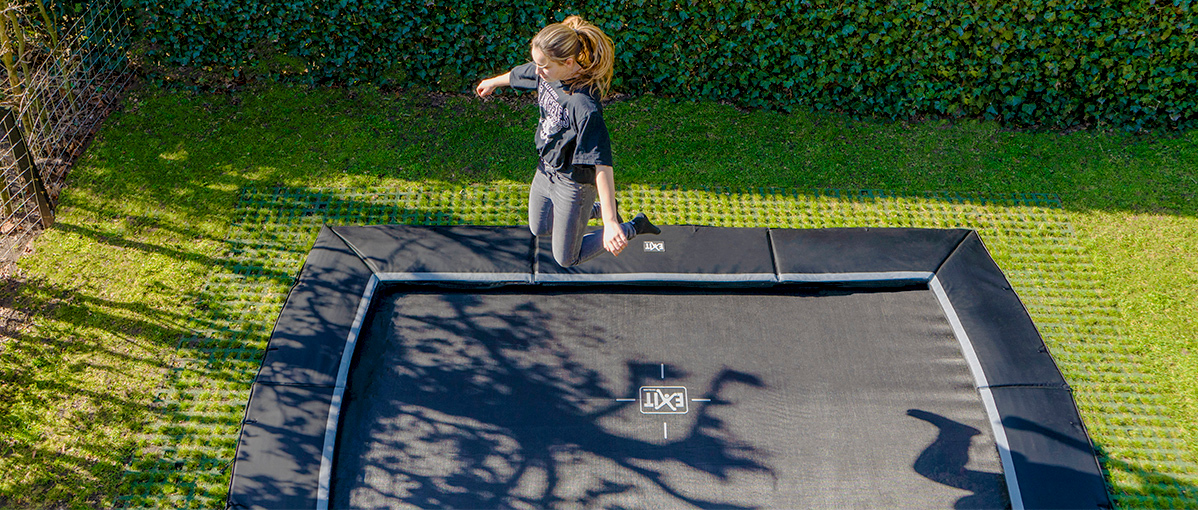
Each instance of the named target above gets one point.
<point>60,83</point>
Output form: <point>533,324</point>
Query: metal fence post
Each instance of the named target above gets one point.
<point>25,165</point>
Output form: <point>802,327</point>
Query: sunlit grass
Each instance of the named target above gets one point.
<point>115,285</point>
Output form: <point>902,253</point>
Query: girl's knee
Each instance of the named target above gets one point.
<point>539,228</point>
<point>565,260</point>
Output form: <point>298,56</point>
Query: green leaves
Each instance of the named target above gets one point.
<point>895,59</point>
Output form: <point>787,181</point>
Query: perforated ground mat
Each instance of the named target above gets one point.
<point>184,455</point>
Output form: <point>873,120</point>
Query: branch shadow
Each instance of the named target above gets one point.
<point>75,389</point>
<point>118,242</point>
<point>944,462</point>
<point>486,409</point>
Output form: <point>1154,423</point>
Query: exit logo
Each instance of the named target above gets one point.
<point>655,246</point>
<point>663,400</point>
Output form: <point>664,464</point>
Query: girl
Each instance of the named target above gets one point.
<point>571,70</point>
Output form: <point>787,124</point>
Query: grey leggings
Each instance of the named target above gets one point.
<point>560,208</point>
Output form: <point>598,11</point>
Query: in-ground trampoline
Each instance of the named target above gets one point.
<point>460,367</point>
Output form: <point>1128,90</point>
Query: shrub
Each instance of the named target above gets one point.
<point>1052,63</point>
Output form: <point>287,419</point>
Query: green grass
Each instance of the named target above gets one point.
<point>126,380</point>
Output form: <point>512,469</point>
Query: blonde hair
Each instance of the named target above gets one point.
<point>586,44</point>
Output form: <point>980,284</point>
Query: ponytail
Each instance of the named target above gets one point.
<point>587,45</point>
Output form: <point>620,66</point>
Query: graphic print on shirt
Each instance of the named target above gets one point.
<point>555,117</point>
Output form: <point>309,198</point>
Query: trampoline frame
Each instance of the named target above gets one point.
<point>1017,379</point>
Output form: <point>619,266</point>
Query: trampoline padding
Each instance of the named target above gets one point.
<point>278,461</point>
<point>1050,445</point>
<point>309,337</point>
<point>679,253</point>
<point>804,255</point>
<point>410,251</point>
<point>1009,347</point>
<point>278,454</point>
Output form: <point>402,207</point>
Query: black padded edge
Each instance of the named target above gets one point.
<point>455,249</point>
<point>1054,459</point>
<point>305,347</point>
<point>862,250</point>
<point>686,250</point>
<point>1055,463</point>
<point>278,455</point>
<point>1007,343</point>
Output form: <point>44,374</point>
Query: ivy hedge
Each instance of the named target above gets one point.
<point>1056,64</point>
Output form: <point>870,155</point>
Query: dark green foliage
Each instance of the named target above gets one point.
<point>1052,63</point>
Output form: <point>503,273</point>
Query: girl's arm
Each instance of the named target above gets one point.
<point>487,86</point>
<point>613,236</point>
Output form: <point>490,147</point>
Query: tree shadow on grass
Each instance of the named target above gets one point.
<point>117,242</point>
<point>76,383</point>
<point>1155,489</point>
<point>198,189</point>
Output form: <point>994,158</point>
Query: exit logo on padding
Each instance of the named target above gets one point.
<point>655,246</point>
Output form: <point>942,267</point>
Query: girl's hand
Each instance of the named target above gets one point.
<point>485,88</point>
<point>613,238</point>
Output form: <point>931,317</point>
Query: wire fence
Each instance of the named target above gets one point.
<point>66,67</point>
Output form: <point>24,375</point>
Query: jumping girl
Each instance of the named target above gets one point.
<point>571,70</point>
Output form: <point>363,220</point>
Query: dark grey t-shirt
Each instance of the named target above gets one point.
<point>571,136</point>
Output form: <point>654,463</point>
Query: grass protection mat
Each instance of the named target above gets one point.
<point>184,455</point>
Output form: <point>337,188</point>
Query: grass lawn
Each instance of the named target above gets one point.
<point>133,330</point>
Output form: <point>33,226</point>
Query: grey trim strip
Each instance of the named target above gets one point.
<point>913,276</point>
<point>1000,434</point>
<point>456,277</point>
<point>330,427</point>
<point>657,277</point>
<point>330,439</point>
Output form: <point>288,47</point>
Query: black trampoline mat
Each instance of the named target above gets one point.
<point>506,398</point>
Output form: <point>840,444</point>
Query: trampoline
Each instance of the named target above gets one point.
<point>460,367</point>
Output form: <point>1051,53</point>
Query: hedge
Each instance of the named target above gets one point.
<point>1056,64</point>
